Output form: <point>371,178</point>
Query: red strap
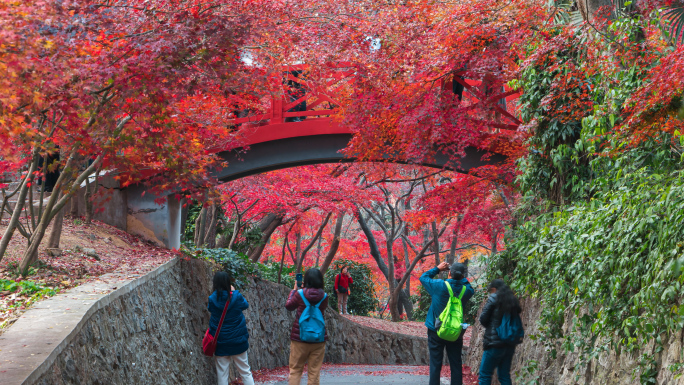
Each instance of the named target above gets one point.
<point>230,296</point>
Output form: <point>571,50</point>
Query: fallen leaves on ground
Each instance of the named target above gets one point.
<point>88,251</point>
<point>410,328</point>
<point>266,376</point>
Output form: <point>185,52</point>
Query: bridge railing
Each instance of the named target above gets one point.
<point>307,92</point>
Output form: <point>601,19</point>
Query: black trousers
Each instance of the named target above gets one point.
<point>436,346</point>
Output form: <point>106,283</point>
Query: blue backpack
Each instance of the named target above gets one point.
<point>311,323</point>
<point>511,330</point>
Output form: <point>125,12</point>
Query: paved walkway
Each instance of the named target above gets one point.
<point>367,374</point>
<point>32,344</point>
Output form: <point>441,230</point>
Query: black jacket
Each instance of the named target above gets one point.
<point>491,319</point>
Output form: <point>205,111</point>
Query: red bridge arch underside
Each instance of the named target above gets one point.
<point>317,141</point>
<point>273,143</point>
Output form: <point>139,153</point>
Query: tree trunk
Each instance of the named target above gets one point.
<point>298,253</point>
<point>313,240</point>
<point>373,246</point>
<point>435,244</point>
<point>199,241</point>
<point>267,225</point>
<point>282,259</point>
<point>56,233</point>
<point>394,299</point>
<point>88,203</point>
<point>387,269</point>
<point>318,251</point>
<point>405,300</point>
<point>589,8</point>
<point>334,245</point>
<point>212,220</point>
<point>14,220</point>
<point>236,230</point>
<point>195,238</point>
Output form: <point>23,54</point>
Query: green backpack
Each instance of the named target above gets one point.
<point>449,324</point>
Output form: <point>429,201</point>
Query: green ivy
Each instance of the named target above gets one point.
<point>362,300</point>
<point>559,167</point>
<point>614,264</point>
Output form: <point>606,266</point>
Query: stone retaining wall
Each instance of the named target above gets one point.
<point>269,328</point>
<point>609,369</point>
<point>149,331</point>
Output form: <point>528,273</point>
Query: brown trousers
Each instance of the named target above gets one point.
<point>342,302</point>
<point>300,353</point>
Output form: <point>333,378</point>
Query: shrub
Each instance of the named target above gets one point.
<point>362,301</point>
<point>269,272</point>
<point>237,265</point>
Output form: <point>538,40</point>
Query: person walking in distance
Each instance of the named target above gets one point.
<point>308,336</point>
<point>233,339</point>
<point>342,282</point>
<point>441,295</point>
<point>503,331</point>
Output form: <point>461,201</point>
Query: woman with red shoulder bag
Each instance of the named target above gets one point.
<point>232,341</point>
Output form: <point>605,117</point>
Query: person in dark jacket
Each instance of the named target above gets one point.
<point>440,297</point>
<point>233,339</point>
<point>497,354</point>
<point>301,352</point>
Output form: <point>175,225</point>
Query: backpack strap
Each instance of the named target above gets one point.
<point>463,289</point>
<point>301,294</point>
<point>451,292</point>
<point>306,302</point>
<point>223,315</point>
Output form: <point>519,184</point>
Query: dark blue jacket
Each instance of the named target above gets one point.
<point>233,338</point>
<point>440,294</point>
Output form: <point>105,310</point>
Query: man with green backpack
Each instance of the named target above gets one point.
<point>445,317</point>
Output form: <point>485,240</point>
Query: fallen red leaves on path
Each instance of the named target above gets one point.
<point>281,373</point>
<point>411,328</point>
<point>87,252</point>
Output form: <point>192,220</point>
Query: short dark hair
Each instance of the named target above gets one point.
<point>457,270</point>
<point>313,278</point>
<point>222,282</point>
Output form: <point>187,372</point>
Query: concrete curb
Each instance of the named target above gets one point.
<point>28,329</point>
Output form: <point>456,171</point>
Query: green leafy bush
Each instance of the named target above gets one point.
<point>614,263</point>
<point>269,271</point>
<point>237,265</point>
<point>362,300</point>
<point>247,239</point>
<point>422,302</point>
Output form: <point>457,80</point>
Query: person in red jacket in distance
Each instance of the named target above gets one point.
<point>342,283</point>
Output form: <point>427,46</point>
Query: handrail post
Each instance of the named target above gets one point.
<point>277,110</point>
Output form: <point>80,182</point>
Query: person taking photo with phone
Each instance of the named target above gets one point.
<point>342,282</point>
<point>308,336</point>
<point>443,293</point>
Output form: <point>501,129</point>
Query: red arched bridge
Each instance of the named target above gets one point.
<point>295,128</point>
